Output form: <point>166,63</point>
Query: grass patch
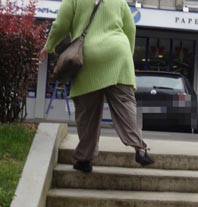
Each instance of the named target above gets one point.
<point>15,142</point>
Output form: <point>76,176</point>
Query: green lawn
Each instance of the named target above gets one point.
<point>15,142</point>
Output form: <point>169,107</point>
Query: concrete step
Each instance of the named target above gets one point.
<point>116,178</point>
<point>177,155</point>
<point>98,198</point>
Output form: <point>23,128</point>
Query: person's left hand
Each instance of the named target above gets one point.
<point>43,55</point>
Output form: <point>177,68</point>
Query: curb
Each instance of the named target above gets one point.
<point>37,173</point>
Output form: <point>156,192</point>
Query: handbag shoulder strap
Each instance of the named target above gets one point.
<point>96,5</point>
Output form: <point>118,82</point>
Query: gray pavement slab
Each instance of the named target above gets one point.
<point>134,171</point>
<point>164,196</point>
<point>107,143</point>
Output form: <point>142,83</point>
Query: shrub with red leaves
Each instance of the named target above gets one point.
<point>20,42</point>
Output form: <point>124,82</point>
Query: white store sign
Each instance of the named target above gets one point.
<point>47,9</point>
<point>143,17</point>
<point>165,18</point>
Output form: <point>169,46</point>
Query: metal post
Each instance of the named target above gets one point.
<point>40,91</point>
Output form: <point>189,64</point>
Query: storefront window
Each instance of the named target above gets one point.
<point>50,82</point>
<point>183,58</point>
<point>159,54</point>
<point>32,85</point>
<point>165,55</point>
<point>140,54</point>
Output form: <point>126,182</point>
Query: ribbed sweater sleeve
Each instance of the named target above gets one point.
<point>61,26</point>
<point>129,26</point>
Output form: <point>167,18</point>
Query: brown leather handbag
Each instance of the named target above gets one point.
<point>70,61</point>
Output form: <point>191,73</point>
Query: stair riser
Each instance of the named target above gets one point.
<point>94,202</point>
<point>72,179</point>
<point>176,162</point>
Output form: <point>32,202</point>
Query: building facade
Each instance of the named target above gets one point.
<point>166,40</point>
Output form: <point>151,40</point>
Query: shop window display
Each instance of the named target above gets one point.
<point>183,57</point>
<point>159,54</point>
<point>32,86</point>
<point>140,54</point>
<point>165,55</point>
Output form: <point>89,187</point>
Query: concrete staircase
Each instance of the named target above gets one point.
<point>117,181</point>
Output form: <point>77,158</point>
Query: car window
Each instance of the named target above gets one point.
<point>157,81</point>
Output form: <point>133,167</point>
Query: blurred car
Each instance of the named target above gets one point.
<point>166,101</point>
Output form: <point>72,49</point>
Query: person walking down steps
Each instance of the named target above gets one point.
<point>108,72</point>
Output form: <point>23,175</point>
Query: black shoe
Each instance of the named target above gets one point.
<point>84,166</point>
<point>143,158</point>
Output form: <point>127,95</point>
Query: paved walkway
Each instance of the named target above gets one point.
<point>157,146</point>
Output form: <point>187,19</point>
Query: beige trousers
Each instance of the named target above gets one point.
<point>88,114</point>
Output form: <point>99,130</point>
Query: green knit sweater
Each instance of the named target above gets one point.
<point>109,43</point>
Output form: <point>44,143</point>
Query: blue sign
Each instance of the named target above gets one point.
<point>136,14</point>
